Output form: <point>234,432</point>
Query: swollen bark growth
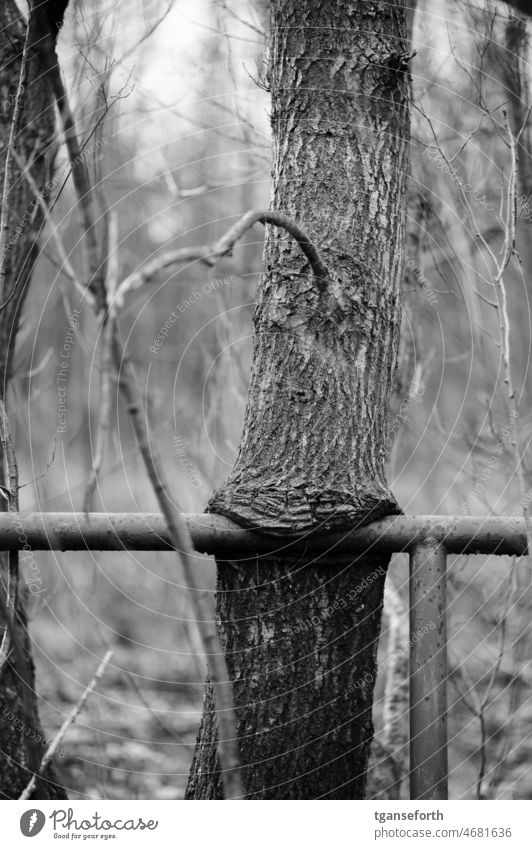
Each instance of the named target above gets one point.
<point>300,635</point>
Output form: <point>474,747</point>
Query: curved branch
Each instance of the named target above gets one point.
<point>210,254</point>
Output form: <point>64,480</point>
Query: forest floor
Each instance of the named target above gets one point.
<point>134,741</point>
<point>135,736</point>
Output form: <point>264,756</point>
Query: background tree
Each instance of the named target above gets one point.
<point>27,134</point>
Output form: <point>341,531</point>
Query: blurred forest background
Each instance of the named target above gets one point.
<point>173,109</point>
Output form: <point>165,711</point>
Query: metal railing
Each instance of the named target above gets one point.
<point>427,539</point>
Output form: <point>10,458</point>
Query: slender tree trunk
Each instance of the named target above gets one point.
<point>301,636</point>
<point>22,742</point>
<point>389,758</point>
<point>517,89</point>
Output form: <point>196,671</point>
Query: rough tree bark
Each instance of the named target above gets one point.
<point>22,742</point>
<point>301,636</point>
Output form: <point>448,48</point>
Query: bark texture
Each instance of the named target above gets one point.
<point>300,636</point>
<point>302,661</point>
<point>35,143</point>
<point>22,742</point>
<point>312,450</point>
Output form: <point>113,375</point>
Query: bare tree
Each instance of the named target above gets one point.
<point>300,636</point>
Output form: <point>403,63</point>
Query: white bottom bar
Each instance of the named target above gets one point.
<point>256,825</point>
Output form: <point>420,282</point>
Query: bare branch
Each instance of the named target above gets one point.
<point>80,175</point>
<point>52,748</point>
<point>219,32</point>
<point>209,255</point>
<point>182,542</point>
<point>504,325</point>
<point>9,496</point>
<point>149,32</point>
<point>8,174</point>
<point>240,20</point>
<point>228,752</point>
<point>459,182</point>
<point>66,265</point>
<point>106,382</point>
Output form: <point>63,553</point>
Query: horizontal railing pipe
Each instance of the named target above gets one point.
<point>212,534</point>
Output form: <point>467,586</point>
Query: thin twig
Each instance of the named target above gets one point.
<point>457,677</point>
<point>458,181</point>
<point>182,542</point>
<point>486,700</point>
<point>504,323</point>
<point>228,750</point>
<point>467,140</point>
<point>152,711</point>
<point>228,745</point>
<point>240,20</point>
<point>9,484</point>
<point>500,265</point>
<point>210,254</point>
<point>52,748</point>
<point>6,188</point>
<point>66,266</point>
<point>508,216</point>
<point>45,470</point>
<point>106,382</point>
<point>80,174</point>
<point>511,732</point>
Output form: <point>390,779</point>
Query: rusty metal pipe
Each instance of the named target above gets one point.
<point>217,535</point>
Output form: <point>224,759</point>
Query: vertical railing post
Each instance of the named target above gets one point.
<point>428,671</point>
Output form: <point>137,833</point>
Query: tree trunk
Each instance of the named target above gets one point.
<point>22,742</point>
<point>515,79</point>
<point>300,636</point>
